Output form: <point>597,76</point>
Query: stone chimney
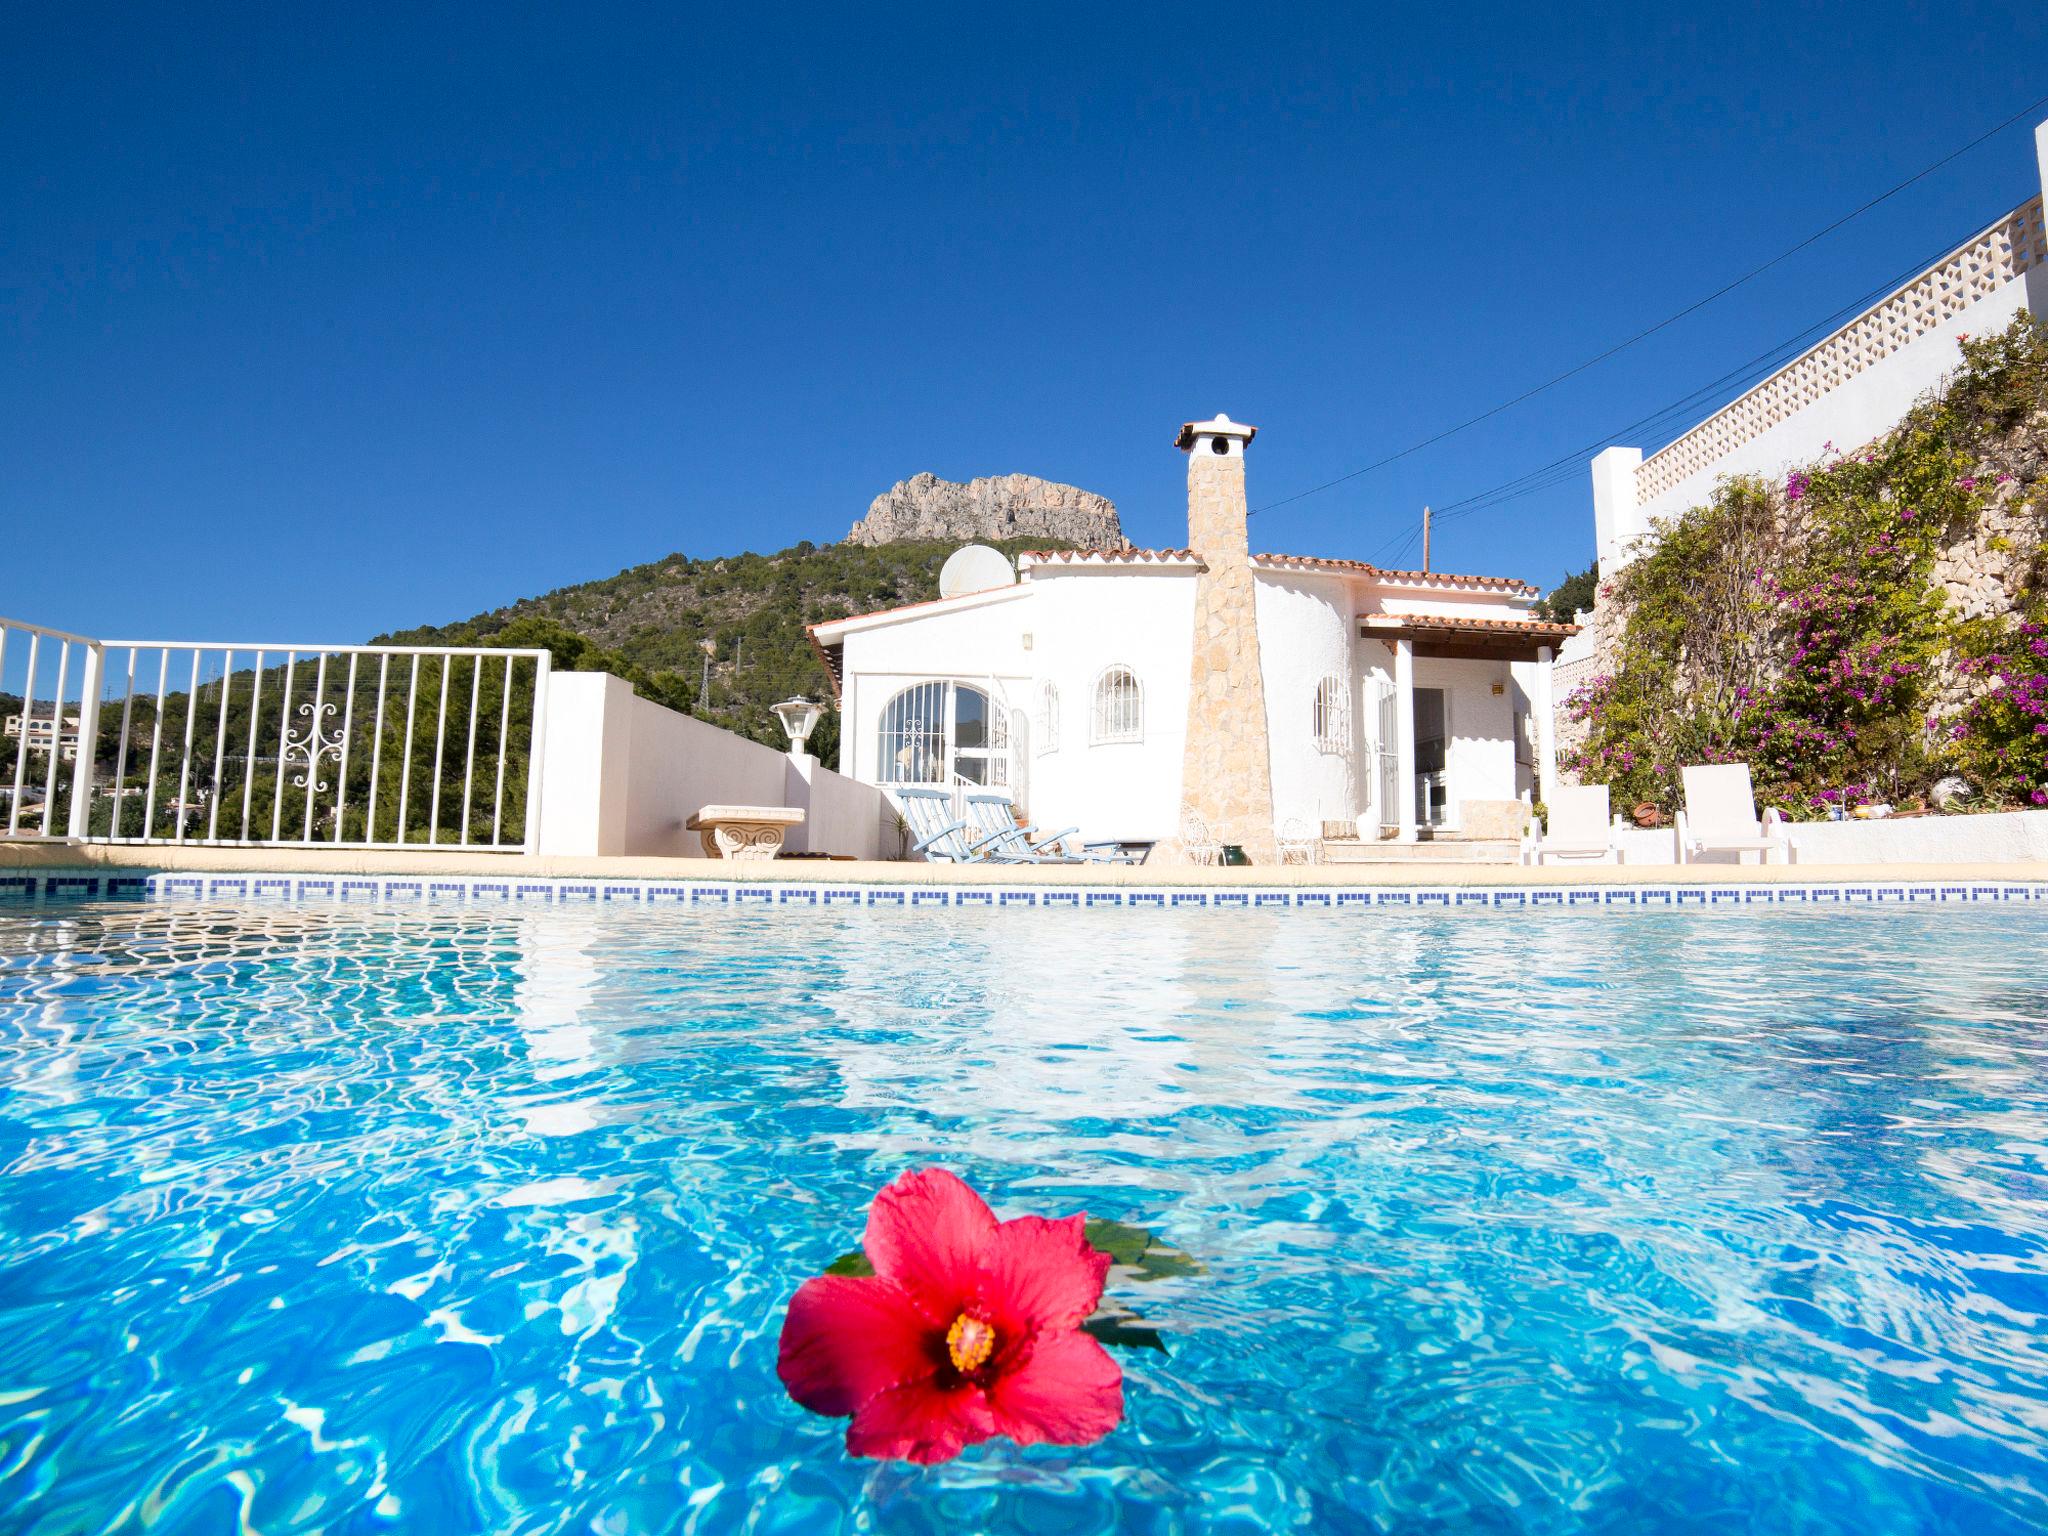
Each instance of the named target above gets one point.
<point>1226,775</point>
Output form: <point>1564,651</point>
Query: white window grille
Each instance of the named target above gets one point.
<point>943,733</point>
<point>1389,758</point>
<point>1048,718</point>
<point>1332,717</point>
<point>913,740</point>
<point>1119,707</point>
<point>988,762</point>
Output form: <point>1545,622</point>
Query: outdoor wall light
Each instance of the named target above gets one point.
<point>799,718</point>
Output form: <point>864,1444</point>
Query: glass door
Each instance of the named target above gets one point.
<point>1432,758</point>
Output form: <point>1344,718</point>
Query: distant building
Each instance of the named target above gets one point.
<point>43,730</point>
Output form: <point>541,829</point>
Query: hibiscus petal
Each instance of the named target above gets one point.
<point>928,1231</point>
<point>1044,1274</point>
<point>1069,1392</point>
<point>847,1338</point>
<point>920,1422</point>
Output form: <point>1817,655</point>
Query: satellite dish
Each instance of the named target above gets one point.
<point>974,568</point>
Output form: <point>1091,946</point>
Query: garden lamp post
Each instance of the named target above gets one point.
<point>799,717</point>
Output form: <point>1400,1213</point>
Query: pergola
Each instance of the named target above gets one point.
<point>1465,639</point>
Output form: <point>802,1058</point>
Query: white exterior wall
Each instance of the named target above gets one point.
<point>1305,629</point>
<point>1067,629</point>
<point>1087,621</point>
<point>981,644</point>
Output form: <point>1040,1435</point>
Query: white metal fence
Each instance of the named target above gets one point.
<point>248,745</point>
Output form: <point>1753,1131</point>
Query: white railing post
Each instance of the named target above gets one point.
<point>534,753</point>
<point>80,826</point>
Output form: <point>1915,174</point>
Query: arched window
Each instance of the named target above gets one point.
<point>1332,718</point>
<point>1048,718</point>
<point>1119,707</point>
<point>940,732</point>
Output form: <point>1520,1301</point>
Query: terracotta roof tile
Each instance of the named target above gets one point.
<point>1321,562</point>
<point>1445,622</point>
<point>1128,553</point>
<point>1447,579</point>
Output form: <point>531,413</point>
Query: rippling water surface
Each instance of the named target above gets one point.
<point>350,1221</point>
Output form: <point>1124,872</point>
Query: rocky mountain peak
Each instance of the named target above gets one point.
<point>995,507</point>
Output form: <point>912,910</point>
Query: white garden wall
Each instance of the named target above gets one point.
<point>2011,837</point>
<point>622,776</point>
<point>1847,390</point>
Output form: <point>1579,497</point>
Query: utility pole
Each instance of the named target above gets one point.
<point>708,647</point>
<point>1425,539</point>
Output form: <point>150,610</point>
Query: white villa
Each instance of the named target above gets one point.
<point>1108,688</point>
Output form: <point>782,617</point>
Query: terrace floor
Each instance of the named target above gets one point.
<point>346,861</point>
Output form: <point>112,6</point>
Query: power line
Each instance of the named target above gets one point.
<point>1668,320</point>
<point>1568,465</point>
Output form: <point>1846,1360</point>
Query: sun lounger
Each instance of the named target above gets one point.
<point>1720,817</point>
<point>1578,828</point>
<point>994,833</point>
<point>936,833</point>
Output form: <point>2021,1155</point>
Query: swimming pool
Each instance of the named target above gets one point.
<point>364,1219</point>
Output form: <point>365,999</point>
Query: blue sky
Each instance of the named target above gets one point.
<point>314,326</point>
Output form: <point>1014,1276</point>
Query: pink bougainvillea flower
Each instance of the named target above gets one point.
<point>969,1328</point>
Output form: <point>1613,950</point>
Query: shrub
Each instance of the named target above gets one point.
<point>1800,628</point>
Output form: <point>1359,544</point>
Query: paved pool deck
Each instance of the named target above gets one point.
<point>348,861</point>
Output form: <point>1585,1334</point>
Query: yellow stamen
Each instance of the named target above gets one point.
<point>969,1342</point>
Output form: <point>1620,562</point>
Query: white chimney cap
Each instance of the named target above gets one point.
<point>1217,426</point>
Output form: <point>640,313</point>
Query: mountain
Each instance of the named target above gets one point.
<point>648,623</point>
<point>998,507</point>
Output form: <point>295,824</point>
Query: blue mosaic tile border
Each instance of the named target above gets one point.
<point>17,888</point>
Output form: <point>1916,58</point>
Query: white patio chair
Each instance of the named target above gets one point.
<point>1195,840</point>
<point>996,834</point>
<point>1579,828</point>
<point>1298,843</point>
<point>936,833</point>
<point>1720,817</point>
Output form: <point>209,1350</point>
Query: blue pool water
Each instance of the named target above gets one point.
<point>351,1221</point>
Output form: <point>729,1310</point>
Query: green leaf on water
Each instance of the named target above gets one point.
<point>1123,1244</point>
<point>1161,1262</point>
<point>1125,1330</point>
<point>854,1263</point>
<point>1137,1250</point>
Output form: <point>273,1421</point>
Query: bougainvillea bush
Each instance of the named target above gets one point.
<point>1803,627</point>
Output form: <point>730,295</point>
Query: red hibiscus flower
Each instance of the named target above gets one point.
<point>968,1328</point>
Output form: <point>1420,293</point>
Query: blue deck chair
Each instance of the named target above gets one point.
<point>995,820</point>
<point>935,831</point>
<point>996,835</point>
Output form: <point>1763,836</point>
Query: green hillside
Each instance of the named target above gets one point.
<point>649,622</point>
